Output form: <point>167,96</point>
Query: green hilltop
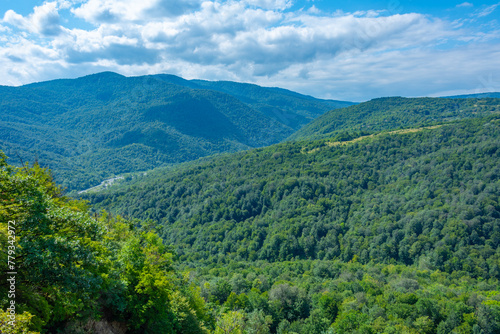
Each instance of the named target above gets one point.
<point>91,128</point>
<point>392,113</point>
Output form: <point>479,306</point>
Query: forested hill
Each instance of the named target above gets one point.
<point>90,128</point>
<point>284,106</point>
<point>476,96</point>
<point>428,195</point>
<point>393,113</point>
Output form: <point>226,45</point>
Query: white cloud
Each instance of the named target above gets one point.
<point>340,55</point>
<point>418,72</point>
<point>12,18</point>
<point>486,10</point>
<point>270,4</point>
<point>44,20</point>
<point>27,62</point>
<point>465,4</point>
<point>107,11</point>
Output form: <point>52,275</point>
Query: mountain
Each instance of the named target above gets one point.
<point>90,128</point>
<point>393,232</point>
<point>393,113</point>
<point>284,106</point>
<point>475,96</point>
<point>401,195</point>
<point>396,232</point>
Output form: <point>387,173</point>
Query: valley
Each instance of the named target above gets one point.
<point>90,128</point>
<point>221,207</point>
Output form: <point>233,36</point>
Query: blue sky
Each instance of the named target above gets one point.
<point>346,50</point>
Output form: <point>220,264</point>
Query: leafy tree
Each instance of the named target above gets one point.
<point>72,267</point>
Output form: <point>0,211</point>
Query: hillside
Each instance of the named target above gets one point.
<point>423,195</point>
<point>476,96</point>
<point>394,232</point>
<point>90,128</point>
<point>73,272</point>
<point>287,107</point>
<point>393,113</point>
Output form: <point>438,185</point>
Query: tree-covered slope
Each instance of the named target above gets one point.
<point>425,197</point>
<point>90,128</point>
<point>72,272</point>
<point>287,107</point>
<point>83,273</point>
<point>476,96</point>
<point>393,113</point>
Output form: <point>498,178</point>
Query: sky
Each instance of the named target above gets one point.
<point>343,50</point>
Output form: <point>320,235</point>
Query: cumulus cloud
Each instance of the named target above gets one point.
<point>44,20</point>
<point>109,11</point>
<point>270,4</point>
<point>16,20</point>
<point>263,41</point>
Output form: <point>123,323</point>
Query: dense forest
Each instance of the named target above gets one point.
<point>82,272</point>
<point>287,107</point>
<point>430,195</point>
<point>392,113</point>
<point>381,217</point>
<point>393,233</point>
<point>76,273</point>
<point>91,128</point>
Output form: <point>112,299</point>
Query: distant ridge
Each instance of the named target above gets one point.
<point>477,96</point>
<point>94,127</point>
<point>389,113</point>
<point>285,106</point>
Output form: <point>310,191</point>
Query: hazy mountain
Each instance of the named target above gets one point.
<point>90,128</point>
<point>476,96</point>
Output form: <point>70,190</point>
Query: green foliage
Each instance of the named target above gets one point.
<point>58,256</point>
<point>406,299</point>
<point>258,323</point>
<point>393,233</point>
<point>73,268</point>
<point>427,198</point>
<point>390,113</point>
<point>231,322</point>
<point>21,324</point>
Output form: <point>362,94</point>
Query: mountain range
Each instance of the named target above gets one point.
<point>394,113</point>
<point>260,210</point>
<point>371,226</point>
<point>90,128</point>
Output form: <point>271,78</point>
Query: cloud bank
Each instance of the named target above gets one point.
<point>350,56</point>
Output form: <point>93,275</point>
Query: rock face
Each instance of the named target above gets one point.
<point>97,327</point>
<point>104,327</point>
